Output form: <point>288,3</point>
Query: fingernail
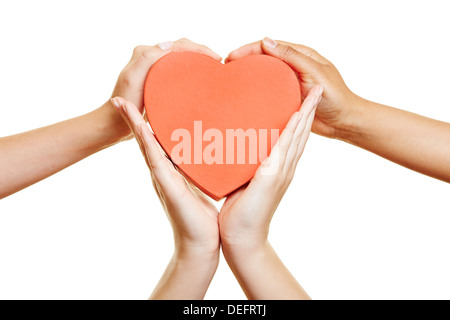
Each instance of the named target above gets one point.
<point>269,43</point>
<point>115,103</point>
<point>318,101</point>
<point>165,45</point>
<point>315,101</point>
<point>139,131</point>
<point>144,132</point>
<point>125,109</point>
<point>294,117</point>
<point>299,117</point>
<point>320,90</point>
<point>318,97</point>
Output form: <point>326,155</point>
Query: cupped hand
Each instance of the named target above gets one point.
<point>131,81</point>
<point>334,114</point>
<point>246,214</point>
<point>193,218</point>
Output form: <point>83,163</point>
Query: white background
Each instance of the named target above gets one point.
<point>351,226</point>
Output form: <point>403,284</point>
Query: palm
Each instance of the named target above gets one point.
<point>233,218</point>
<point>189,211</point>
<point>325,116</point>
<point>246,211</point>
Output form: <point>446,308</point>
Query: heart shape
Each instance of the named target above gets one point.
<point>190,96</point>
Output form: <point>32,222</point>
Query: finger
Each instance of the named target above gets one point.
<point>145,56</point>
<point>287,135</point>
<point>188,45</point>
<point>306,109</point>
<point>246,50</point>
<point>275,161</point>
<point>257,48</point>
<point>136,123</point>
<point>200,195</point>
<point>307,131</point>
<point>160,167</point>
<point>298,61</point>
<point>305,134</point>
<point>307,51</point>
<point>151,146</point>
<point>134,116</point>
<point>167,186</point>
<point>119,104</point>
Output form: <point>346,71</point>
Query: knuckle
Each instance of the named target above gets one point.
<point>314,52</point>
<point>318,68</point>
<point>184,40</point>
<point>279,183</point>
<point>331,68</point>
<point>327,67</point>
<point>148,53</point>
<point>289,178</point>
<point>289,52</point>
<point>296,140</point>
<point>126,78</point>
<point>143,51</point>
<point>138,50</point>
<point>310,52</point>
<point>157,166</point>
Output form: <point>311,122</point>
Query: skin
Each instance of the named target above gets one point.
<point>397,135</point>
<point>32,156</point>
<point>245,217</point>
<point>192,216</point>
<point>242,225</point>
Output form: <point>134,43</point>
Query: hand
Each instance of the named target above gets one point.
<point>335,113</point>
<point>246,214</point>
<point>130,84</point>
<point>83,136</point>
<point>193,218</point>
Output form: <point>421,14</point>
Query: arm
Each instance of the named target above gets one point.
<point>187,277</point>
<point>33,156</point>
<point>416,142</point>
<point>413,141</point>
<point>245,217</point>
<point>261,274</point>
<point>193,218</point>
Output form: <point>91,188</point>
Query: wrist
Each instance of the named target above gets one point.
<point>187,276</point>
<point>245,250</point>
<point>204,260</point>
<point>189,252</point>
<point>351,128</point>
<point>109,121</point>
<point>244,259</point>
<point>242,240</point>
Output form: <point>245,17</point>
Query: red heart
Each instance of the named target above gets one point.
<point>255,92</point>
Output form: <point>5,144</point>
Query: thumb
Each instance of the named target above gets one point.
<point>300,62</point>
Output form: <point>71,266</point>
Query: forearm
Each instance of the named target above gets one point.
<point>32,156</point>
<point>262,275</point>
<point>418,143</point>
<point>187,277</point>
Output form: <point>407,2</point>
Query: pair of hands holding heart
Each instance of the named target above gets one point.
<point>245,216</point>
